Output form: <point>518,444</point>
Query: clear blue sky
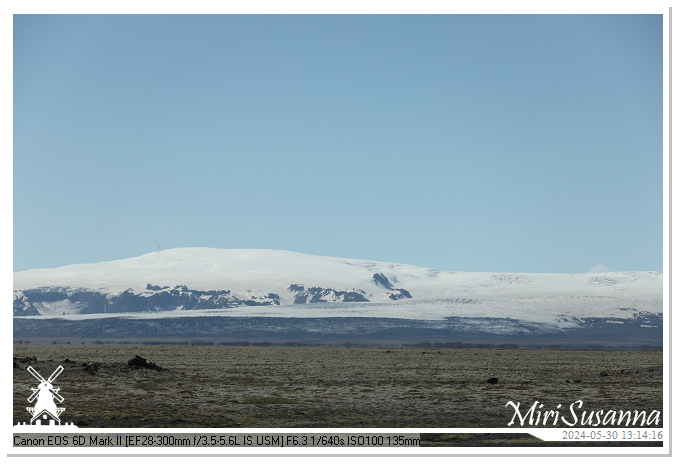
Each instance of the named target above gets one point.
<point>471,143</point>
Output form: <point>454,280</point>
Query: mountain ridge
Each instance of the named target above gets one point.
<point>207,278</point>
<point>271,295</point>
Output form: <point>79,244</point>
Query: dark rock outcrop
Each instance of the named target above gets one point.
<point>91,367</point>
<point>381,280</point>
<point>399,294</point>
<point>154,298</point>
<point>324,295</point>
<point>140,363</point>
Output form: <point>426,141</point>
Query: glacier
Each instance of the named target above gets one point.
<point>315,295</point>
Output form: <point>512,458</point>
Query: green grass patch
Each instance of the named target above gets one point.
<point>244,379</point>
<point>269,400</point>
<point>447,394</point>
<point>149,384</point>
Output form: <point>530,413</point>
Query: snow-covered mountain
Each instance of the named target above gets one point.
<point>278,284</point>
<point>205,278</point>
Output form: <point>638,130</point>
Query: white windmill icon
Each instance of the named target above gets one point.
<point>46,394</point>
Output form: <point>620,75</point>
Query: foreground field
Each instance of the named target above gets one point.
<point>229,386</point>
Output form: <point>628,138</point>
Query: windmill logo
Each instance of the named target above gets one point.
<point>45,407</point>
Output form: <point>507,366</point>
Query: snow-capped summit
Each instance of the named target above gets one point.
<point>218,269</point>
<point>270,295</point>
<point>208,278</point>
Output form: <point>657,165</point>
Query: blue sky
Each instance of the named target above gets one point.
<point>472,143</point>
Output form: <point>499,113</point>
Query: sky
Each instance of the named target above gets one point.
<point>499,143</point>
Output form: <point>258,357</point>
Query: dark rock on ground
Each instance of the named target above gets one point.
<point>91,367</point>
<point>140,363</point>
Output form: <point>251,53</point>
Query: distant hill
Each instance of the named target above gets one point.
<point>256,285</point>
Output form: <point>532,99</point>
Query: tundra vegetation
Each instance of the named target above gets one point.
<point>292,386</point>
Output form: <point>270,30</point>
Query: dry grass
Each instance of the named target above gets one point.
<point>229,386</point>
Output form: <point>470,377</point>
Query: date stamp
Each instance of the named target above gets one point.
<point>613,435</point>
<point>598,434</point>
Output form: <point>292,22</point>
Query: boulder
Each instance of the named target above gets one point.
<point>140,363</point>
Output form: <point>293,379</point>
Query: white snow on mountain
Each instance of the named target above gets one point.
<point>553,298</point>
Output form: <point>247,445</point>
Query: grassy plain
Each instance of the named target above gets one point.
<point>273,386</point>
